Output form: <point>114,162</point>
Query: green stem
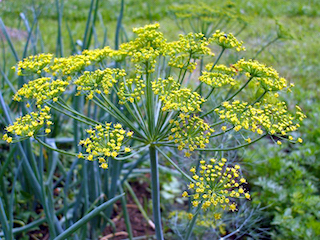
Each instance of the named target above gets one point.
<point>119,21</point>
<point>229,98</point>
<point>55,149</point>
<point>68,108</point>
<point>4,222</point>
<point>136,200</point>
<point>264,47</point>
<point>259,98</point>
<point>70,115</point>
<point>217,60</point>
<point>213,65</point>
<point>137,118</point>
<point>115,175</point>
<point>209,94</point>
<point>86,218</point>
<point>193,221</point>
<point>126,214</point>
<point>232,148</point>
<point>116,113</point>
<point>155,188</point>
<point>33,224</point>
<point>131,155</point>
<point>150,103</point>
<point>176,166</point>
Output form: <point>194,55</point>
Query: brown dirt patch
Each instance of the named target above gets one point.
<point>140,226</point>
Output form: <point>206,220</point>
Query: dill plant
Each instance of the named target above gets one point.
<point>204,18</point>
<point>152,108</point>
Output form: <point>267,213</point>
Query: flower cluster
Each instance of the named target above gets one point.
<point>46,63</point>
<point>105,141</point>
<point>201,17</point>
<point>221,75</point>
<point>190,132</point>
<point>41,89</point>
<point>69,65</point>
<point>274,118</point>
<point>146,47</point>
<point>216,184</point>
<point>33,64</point>
<point>164,87</point>
<point>98,81</point>
<point>190,46</point>
<point>175,98</point>
<point>131,89</point>
<point>226,40</point>
<point>98,55</point>
<point>268,77</point>
<point>184,100</point>
<point>30,124</point>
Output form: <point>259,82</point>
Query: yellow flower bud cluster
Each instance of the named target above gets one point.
<point>33,64</point>
<point>190,132</point>
<point>216,185</point>
<point>131,89</point>
<point>175,98</point>
<point>182,100</point>
<point>98,55</point>
<point>105,141</point>
<point>226,40</point>
<point>274,118</point>
<point>146,47</point>
<point>164,87</point>
<point>30,124</point>
<point>69,65</point>
<point>41,89</point>
<point>66,65</point>
<point>99,81</point>
<point>268,77</point>
<point>221,75</point>
<point>190,46</point>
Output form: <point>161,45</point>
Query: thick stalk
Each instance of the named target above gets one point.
<point>155,191</point>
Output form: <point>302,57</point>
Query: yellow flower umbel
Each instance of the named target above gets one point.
<point>98,55</point>
<point>216,185</point>
<point>30,124</point>
<point>105,141</point>
<point>175,98</point>
<point>33,64</point>
<point>273,118</point>
<point>201,17</point>
<point>146,47</point>
<point>131,90</point>
<point>226,40</point>
<point>98,81</point>
<point>190,46</point>
<point>219,76</point>
<point>41,89</point>
<point>268,77</point>
<point>46,63</point>
<point>190,132</point>
<point>182,100</point>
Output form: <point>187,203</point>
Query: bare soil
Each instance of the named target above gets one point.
<point>140,226</point>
